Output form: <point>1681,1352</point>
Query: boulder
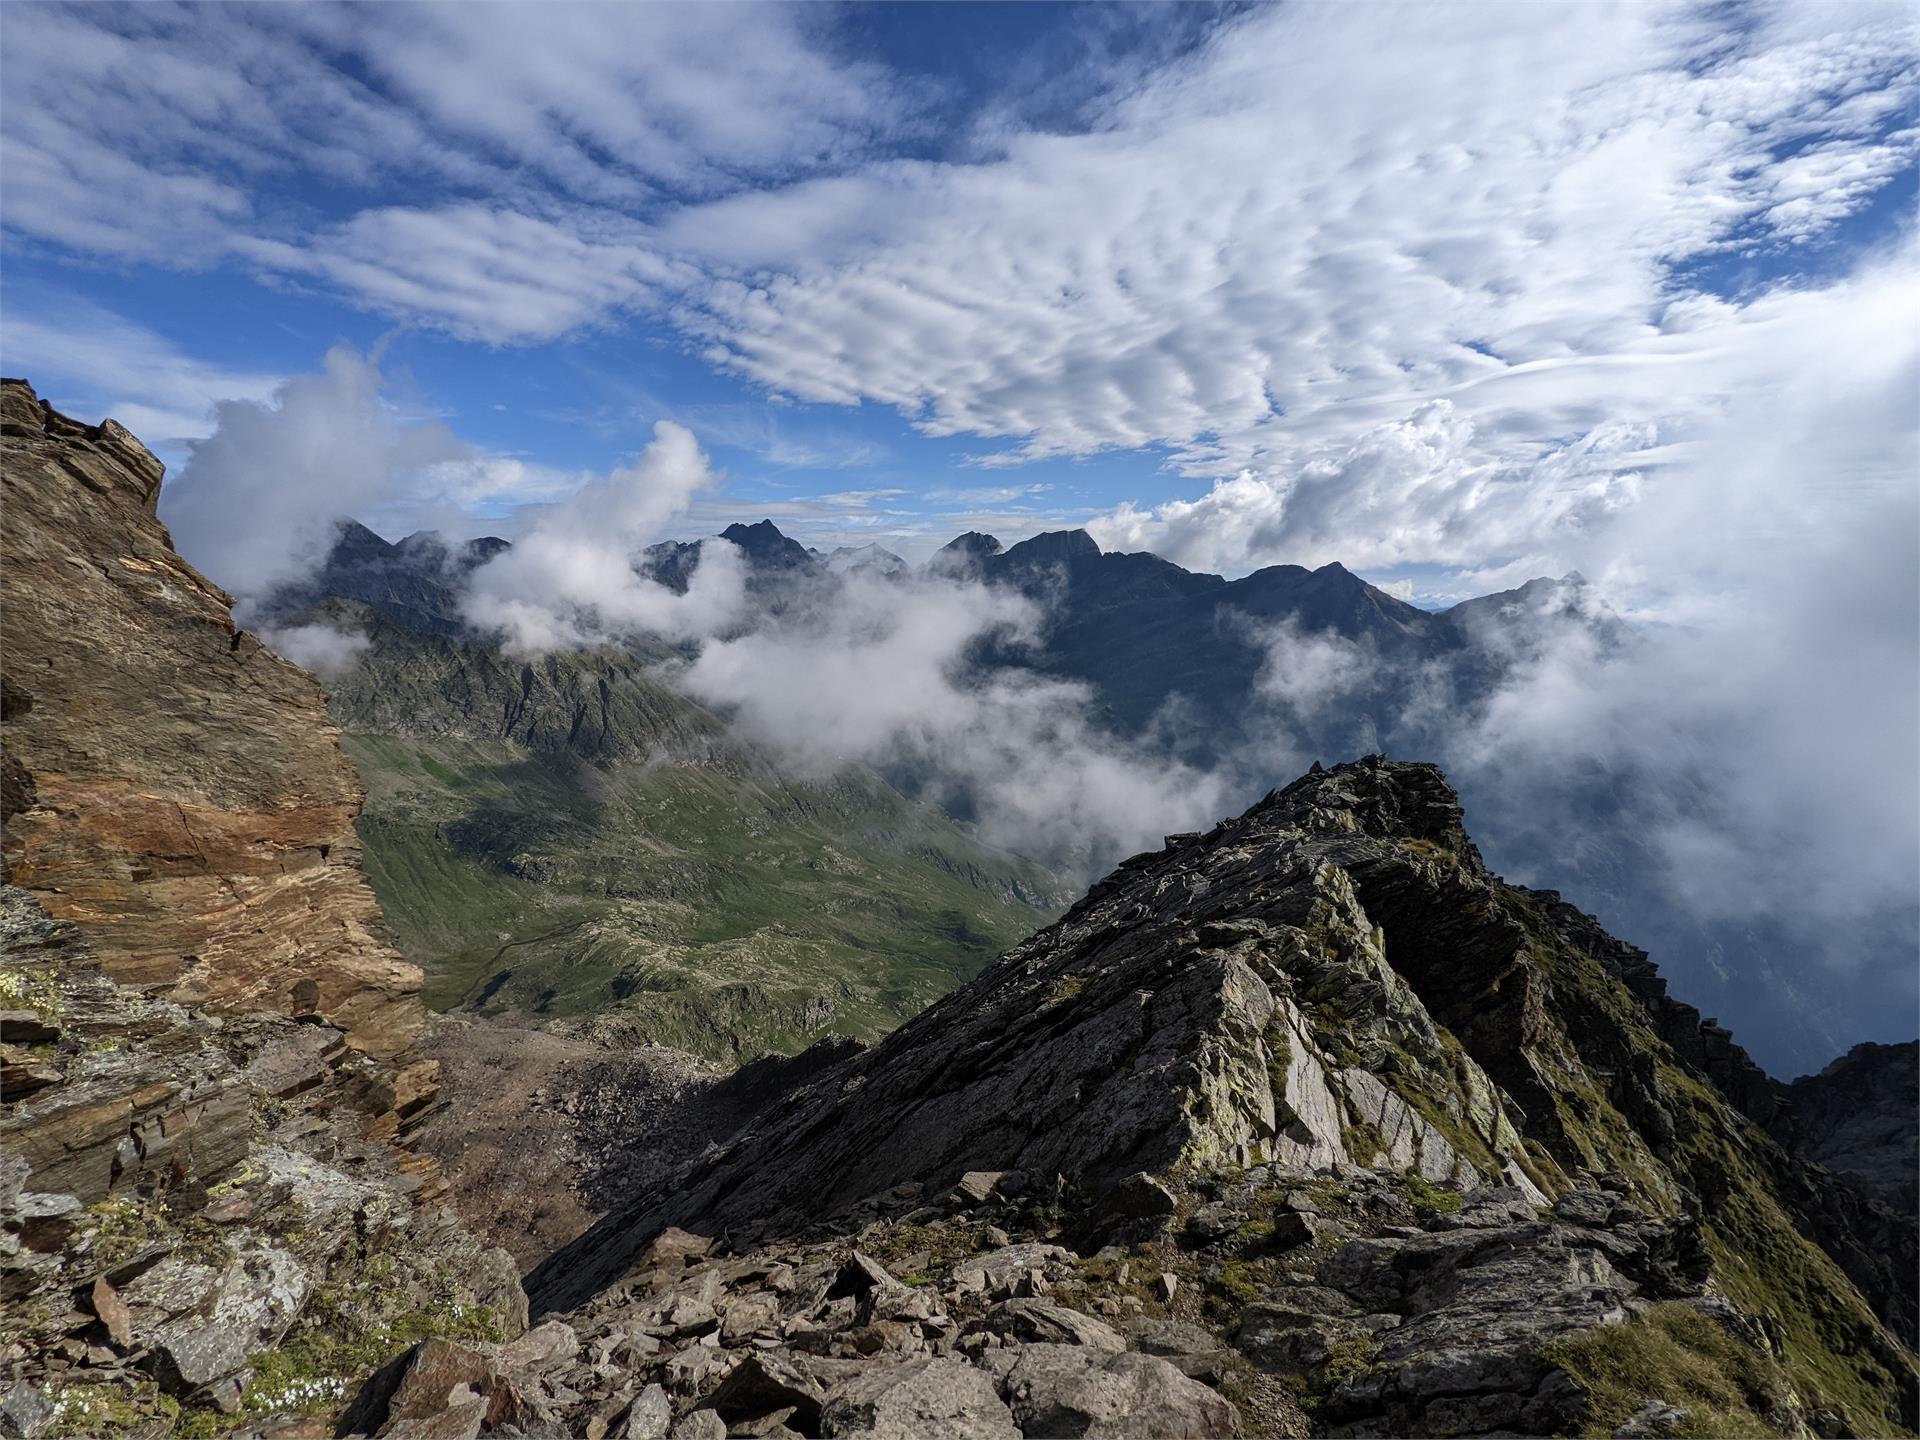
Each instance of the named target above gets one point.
<point>1076,1390</point>
<point>916,1400</point>
<point>1043,1322</point>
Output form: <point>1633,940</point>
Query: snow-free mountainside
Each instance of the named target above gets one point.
<point>1307,1123</point>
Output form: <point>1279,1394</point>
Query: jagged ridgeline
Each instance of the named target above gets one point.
<point>568,837</point>
<point>1333,991</point>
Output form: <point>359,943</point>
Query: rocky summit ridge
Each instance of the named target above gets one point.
<point>1407,1145</point>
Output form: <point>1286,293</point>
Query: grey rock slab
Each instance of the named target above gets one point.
<point>1043,1322</point>
<point>1074,1390</point>
<point>916,1400</point>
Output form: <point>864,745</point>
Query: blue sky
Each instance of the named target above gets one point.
<point>1194,275</point>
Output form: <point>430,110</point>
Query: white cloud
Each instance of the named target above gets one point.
<point>326,651</point>
<point>569,579</point>
<point>479,272</point>
<point>183,136</point>
<point>1308,231</point>
<point>258,503</point>
<point>877,674</point>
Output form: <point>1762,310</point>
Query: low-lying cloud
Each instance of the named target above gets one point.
<point>572,578</point>
<point>887,673</point>
<point>259,503</point>
<point>326,650</point>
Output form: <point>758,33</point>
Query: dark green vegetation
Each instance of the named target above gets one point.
<point>571,838</point>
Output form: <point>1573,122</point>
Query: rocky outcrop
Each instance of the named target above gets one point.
<point>210,1213</point>
<point>1332,989</point>
<point>170,782</point>
<point>207,1215</point>
<point>1860,1117</point>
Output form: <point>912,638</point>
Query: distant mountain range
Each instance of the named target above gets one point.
<point>1251,677</point>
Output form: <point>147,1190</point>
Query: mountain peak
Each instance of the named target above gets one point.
<point>761,532</point>
<point>765,544</point>
<point>973,543</point>
<point>1055,545</point>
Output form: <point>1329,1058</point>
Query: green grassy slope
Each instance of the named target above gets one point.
<point>670,884</point>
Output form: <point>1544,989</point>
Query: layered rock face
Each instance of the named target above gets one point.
<point>198,1215</point>
<point>1396,1132</point>
<point>171,783</point>
<point>210,1215</point>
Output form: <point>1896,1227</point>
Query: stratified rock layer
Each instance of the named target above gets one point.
<point>210,1214</point>
<point>170,782</point>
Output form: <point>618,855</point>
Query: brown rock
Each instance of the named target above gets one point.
<point>180,789</point>
<point>113,1313</point>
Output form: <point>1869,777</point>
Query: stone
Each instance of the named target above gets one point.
<point>1302,1228</point>
<point>1584,1207</point>
<point>861,1275</point>
<point>700,1425</point>
<point>1042,1321</point>
<point>976,1187</point>
<point>26,1413</point>
<point>433,1390</point>
<point>1140,1196</point>
<point>544,1347</point>
<point>672,1248</point>
<point>916,1400</point>
<point>649,1417</point>
<point>1215,1221</point>
<point>1655,1420</point>
<point>763,1383</point>
<point>198,1354</point>
<point>998,1270</point>
<point>113,1312</point>
<point>1075,1390</point>
<point>1189,1348</point>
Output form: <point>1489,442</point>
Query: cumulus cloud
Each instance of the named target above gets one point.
<point>570,578</point>
<point>260,500</point>
<point>1419,490</point>
<point>884,673</point>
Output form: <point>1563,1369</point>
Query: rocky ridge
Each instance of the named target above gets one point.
<point>211,1216</point>
<point>1320,1061</point>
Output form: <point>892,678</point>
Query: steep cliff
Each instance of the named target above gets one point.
<point>210,1212</point>
<point>171,783</point>
<point>1858,1118</point>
